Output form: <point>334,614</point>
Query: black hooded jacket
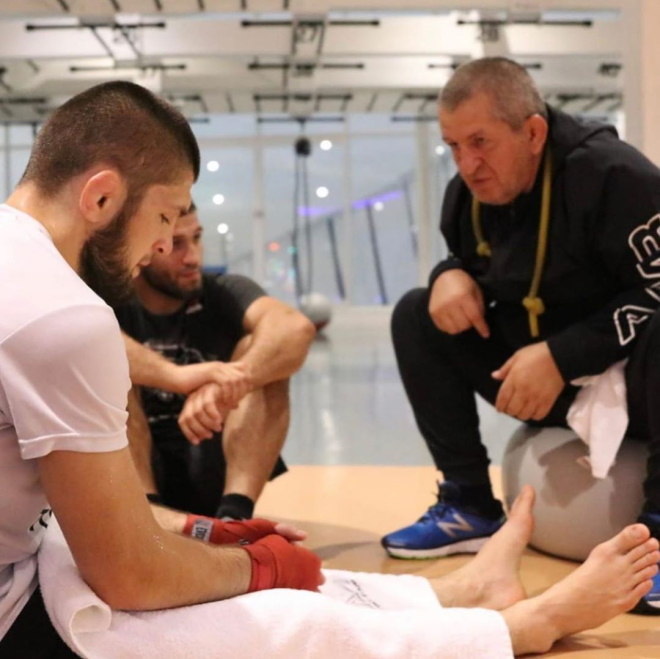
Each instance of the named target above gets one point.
<point>601,279</point>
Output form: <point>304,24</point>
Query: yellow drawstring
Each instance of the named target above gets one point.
<point>483,248</point>
<point>533,303</point>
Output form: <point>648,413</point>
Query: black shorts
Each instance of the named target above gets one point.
<point>192,477</point>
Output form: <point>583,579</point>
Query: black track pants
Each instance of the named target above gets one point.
<point>441,374</point>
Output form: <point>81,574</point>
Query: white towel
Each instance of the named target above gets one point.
<point>599,416</point>
<point>359,616</point>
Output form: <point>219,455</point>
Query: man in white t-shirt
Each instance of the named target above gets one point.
<point>109,173</point>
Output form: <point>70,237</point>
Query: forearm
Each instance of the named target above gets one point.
<point>119,548</point>
<point>168,518</point>
<point>149,368</point>
<point>183,571</point>
<point>276,348</point>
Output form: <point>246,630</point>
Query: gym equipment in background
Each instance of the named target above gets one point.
<point>315,306</point>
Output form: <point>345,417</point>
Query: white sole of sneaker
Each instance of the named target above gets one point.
<point>471,546</point>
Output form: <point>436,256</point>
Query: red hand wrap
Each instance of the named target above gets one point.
<point>218,532</point>
<point>276,563</point>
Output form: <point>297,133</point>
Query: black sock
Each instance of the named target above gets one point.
<point>476,499</point>
<point>235,506</point>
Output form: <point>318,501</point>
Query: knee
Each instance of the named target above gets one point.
<point>653,328</point>
<point>648,344</point>
<point>408,312</point>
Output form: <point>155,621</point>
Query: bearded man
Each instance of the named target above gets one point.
<point>212,357</point>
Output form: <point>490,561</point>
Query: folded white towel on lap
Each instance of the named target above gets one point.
<point>359,615</point>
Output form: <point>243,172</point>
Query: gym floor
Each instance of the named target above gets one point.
<point>348,405</point>
<point>353,437</point>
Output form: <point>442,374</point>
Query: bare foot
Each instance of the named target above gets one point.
<point>614,577</point>
<point>490,580</point>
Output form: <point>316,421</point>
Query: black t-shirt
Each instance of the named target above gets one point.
<point>206,329</point>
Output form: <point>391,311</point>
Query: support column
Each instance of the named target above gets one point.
<point>258,214</point>
<point>641,80</point>
<point>347,241</point>
<point>423,189</point>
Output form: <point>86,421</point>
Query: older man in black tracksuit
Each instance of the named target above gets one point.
<point>553,227</point>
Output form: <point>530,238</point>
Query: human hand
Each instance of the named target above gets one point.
<point>203,413</point>
<point>531,383</point>
<point>219,532</point>
<point>232,379</point>
<point>277,563</point>
<point>457,304</point>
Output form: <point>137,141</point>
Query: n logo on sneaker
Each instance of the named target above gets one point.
<point>450,528</point>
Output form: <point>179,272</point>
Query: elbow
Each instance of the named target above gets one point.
<point>119,597</point>
<point>304,332</point>
<point>122,590</point>
<point>305,327</point>
<point>300,333</point>
<point>130,584</point>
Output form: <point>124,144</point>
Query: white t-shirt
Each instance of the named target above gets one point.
<point>63,384</point>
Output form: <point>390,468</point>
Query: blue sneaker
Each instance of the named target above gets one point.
<point>650,604</point>
<point>444,529</point>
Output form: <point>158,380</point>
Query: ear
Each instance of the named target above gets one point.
<point>102,196</point>
<point>537,131</point>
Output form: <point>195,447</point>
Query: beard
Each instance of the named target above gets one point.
<point>104,263</point>
<point>165,284</point>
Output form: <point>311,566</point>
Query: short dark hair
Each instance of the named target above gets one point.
<point>513,92</point>
<point>119,123</point>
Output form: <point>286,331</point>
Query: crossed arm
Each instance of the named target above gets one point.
<point>276,342</point>
<point>150,369</point>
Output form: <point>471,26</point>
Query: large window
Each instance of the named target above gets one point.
<point>343,221</point>
<point>339,215</point>
<point>15,144</point>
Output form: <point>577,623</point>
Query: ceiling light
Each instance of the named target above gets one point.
<point>218,199</point>
<point>322,192</point>
<point>212,165</point>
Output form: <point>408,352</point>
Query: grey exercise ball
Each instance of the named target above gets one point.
<point>317,307</point>
<point>574,511</point>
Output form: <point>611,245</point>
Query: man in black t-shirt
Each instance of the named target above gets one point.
<point>212,358</point>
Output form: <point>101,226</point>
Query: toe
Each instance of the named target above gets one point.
<point>629,538</point>
<point>524,501</point>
